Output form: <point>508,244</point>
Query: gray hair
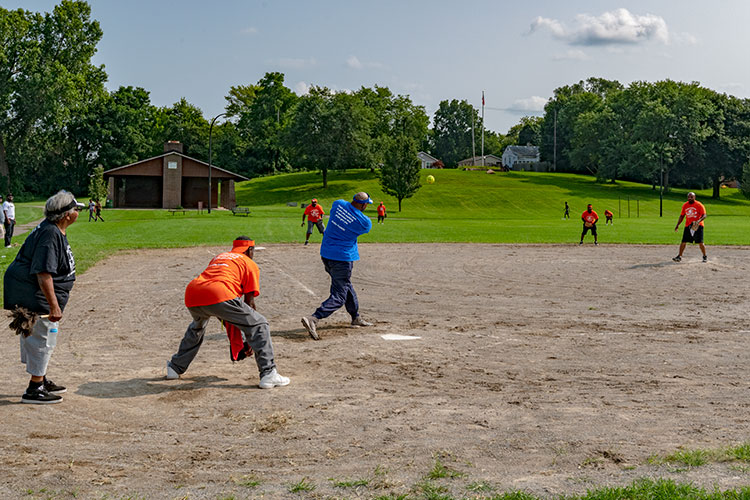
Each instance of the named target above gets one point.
<point>55,203</point>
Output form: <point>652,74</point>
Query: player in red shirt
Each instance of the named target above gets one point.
<point>608,217</point>
<point>589,218</point>
<point>227,290</point>
<point>314,214</point>
<point>694,213</point>
<point>381,213</point>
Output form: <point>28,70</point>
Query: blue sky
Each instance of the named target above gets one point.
<point>517,52</point>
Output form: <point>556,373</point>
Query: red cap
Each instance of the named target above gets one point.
<point>314,200</point>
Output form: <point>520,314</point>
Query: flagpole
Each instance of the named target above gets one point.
<point>483,128</point>
<point>473,146</point>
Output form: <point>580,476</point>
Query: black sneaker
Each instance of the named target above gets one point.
<point>52,387</point>
<point>40,397</point>
<point>705,258</point>
<point>677,259</point>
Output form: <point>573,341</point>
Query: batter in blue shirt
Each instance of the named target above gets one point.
<point>338,251</point>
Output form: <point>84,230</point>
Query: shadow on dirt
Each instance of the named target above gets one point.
<point>145,386</point>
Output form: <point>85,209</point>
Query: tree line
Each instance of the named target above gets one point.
<point>58,123</point>
<point>664,133</point>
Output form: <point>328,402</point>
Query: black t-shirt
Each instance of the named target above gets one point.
<point>45,250</point>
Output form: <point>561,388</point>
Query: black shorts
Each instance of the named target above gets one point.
<point>692,238</point>
<point>586,230</point>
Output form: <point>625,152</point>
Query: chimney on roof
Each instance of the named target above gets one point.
<point>173,146</point>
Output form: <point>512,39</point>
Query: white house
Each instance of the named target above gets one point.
<point>427,159</point>
<point>521,158</point>
<point>489,161</point>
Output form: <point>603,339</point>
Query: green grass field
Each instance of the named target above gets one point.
<point>514,207</point>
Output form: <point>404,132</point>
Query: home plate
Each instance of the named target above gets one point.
<point>394,336</point>
<point>260,248</point>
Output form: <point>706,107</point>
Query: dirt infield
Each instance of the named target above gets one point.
<point>550,369</point>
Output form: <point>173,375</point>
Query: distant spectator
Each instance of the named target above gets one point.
<point>9,222</point>
<point>98,209</point>
<point>92,210</point>
<point>566,214</point>
<point>2,218</point>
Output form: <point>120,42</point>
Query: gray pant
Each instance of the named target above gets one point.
<point>253,325</point>
<point>36,349</point>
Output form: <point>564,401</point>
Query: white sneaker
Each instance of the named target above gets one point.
<point>272,380</point>
<point>310,324</point>
<point>171,374</point>
<point>358,321</point>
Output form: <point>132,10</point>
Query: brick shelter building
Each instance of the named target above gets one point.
<point>170,180</point>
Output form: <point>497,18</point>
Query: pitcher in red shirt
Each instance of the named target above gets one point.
<point>381,213</point>
<point>314,214</point>
<point>589,218</point>
<point>226,290</point>
<point>694,213</point>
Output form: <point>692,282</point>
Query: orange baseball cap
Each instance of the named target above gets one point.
<point>241,246</point>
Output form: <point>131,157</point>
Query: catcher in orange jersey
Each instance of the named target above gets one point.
<point>693,212</point>
<point>589,218</point>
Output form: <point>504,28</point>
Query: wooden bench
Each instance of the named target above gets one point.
<point>241,211</point>
<point>173,210</point>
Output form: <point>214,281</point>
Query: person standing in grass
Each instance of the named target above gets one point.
<point>338,252</point>
<point>9,212</point>
<point>381,213</point>
<point>92,210</point>
<point>589,218</point>
<point>2,219</point>
<point>314,214</point>
<point>98,208</point>
<point>608,216</point>
<point>37,285</point>
<point>694,213</point>
<point>566,214</point>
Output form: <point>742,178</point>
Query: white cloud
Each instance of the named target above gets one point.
<point>292,63</point>
<point>571,55</point>
<point>619,26</point>
<point>353,62</point>
<point>302,88</point>
<point>251,30</point>
<point>533,104</point>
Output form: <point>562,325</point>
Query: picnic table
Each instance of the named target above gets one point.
<point>241,211</point>
<point>173,210</point>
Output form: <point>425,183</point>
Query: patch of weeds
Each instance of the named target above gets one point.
<point>349,484</point>
<point>741,452</point>
<point>595,462</point>
<point>228,497</point>
<point>480,487</point>
<point>431,491</point>
<point>744,469</point>
<point>439,471</point>
<point>247,481</point>
<point>379,480</point>
<point>272,423</point>
<point>402,496</point>
<point>629,467</point>
<point>304,485</point>
<point>515,495</point>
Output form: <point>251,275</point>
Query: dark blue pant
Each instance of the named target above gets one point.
<point>342,291</point>
<point>8,231</point>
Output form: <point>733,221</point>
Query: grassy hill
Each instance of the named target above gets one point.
<point>513,207</point>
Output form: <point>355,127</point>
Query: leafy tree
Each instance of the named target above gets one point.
<point>45,78</point>
<point>399,175</point>
<point>264,111</point>
<point>97,186</point>
<point>745,182</point>
<point>452,131</point>
<point>185,123</point>
<point>330,131</point>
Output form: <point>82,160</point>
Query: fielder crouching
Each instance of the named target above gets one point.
<point>227,290</point>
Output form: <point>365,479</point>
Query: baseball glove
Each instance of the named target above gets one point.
<point>588,224</point>
<point>695,225</point>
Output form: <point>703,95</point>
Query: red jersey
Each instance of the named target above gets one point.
<point>228,276</point>
<point>314,213</point>
<point>607,213</point>
<point>693,212</point>
<point>590,217</point>
<point>381,210</point>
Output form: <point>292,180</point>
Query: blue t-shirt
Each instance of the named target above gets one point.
<point>345,224</point>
